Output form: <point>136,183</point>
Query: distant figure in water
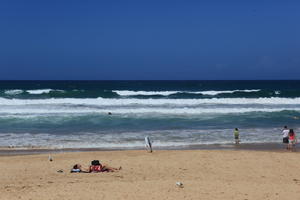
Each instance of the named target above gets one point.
<point>236,136</point>
<point>292,140</point>
<point>109,113</point>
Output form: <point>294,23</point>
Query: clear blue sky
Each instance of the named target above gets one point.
<point>152,39</point>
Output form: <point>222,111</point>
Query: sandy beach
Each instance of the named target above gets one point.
<point>205,174</point>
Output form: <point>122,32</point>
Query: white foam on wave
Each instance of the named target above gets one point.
<point>277,92</point>
<point>42,91</point>
<point>166,93</point>
<point>148,102</point>
<point>132,93</point>
<point>13,92</point>
<point>39,91</point>
<point>225,92</point>
<point>134,111</point>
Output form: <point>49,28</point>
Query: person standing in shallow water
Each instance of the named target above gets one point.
<point>285,136</point>
<point>236,135</point>
<point>292,140</point>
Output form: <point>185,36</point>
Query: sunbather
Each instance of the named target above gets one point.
<point>96,166</point>
<point>78,168</point>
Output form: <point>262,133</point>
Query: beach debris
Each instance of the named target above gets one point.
<point>179,184</point>
<point>50,158</point>
<point>148,144</point>
<point>60,171</point>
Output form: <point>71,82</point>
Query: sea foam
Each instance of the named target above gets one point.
<point>167,93</point>
<point>132,101</point>
<point>42,91</point>
<point>13,92</point>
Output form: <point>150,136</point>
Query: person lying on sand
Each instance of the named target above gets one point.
<point>96,166</point>
<point>78,168</point>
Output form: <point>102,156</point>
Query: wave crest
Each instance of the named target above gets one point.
<point>167,93</point>
<point>42,91</point>
<point>133,101</point>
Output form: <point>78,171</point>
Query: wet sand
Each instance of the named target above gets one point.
<point>244,146</point>
<point>205,174</point>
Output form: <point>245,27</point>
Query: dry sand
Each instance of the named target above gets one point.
<point>205,174</point>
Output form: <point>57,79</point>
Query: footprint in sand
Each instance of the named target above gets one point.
<point>297,181</point>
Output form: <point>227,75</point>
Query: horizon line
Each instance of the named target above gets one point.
<point>150,80</point>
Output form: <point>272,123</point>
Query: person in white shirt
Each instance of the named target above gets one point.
<point>285,136</point>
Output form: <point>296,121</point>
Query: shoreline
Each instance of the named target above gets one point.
<point>246,146</point>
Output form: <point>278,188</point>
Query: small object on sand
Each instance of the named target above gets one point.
<point>50,158</point>
<point>60,171</point>
<point>148,144</point>
<point>179,184</point>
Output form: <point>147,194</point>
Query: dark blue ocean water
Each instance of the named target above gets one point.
<point>173,113</point>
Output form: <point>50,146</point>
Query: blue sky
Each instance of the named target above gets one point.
<point>112,40</point>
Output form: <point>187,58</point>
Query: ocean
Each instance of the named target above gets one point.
<point>75,114</point>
